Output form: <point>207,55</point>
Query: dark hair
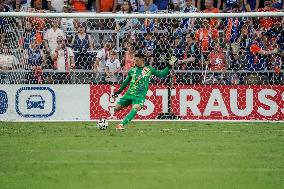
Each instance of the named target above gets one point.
<point>139,54</point>
<point>130,6</point>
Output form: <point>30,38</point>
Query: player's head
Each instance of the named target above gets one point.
<point>139,59</point>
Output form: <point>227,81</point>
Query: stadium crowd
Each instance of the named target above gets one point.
<point>223,51</point>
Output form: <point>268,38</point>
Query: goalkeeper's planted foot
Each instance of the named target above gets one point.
<point>119,127</point>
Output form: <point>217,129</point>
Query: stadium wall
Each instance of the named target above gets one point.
<point>190,102</point>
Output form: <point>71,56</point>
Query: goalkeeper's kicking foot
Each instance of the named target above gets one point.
<point>119,127</point>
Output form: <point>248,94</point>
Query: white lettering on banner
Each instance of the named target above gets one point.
<point>234,102</point>
<point>273,105</point>
<point>149,106</point>
<point>164,94</point>
<point>192,104</point>
<point>221,107</point>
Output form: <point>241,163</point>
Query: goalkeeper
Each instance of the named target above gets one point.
<point>138,78</point>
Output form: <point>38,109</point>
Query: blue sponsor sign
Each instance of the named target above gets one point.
<point>3,102</point>
<point>35,102</point>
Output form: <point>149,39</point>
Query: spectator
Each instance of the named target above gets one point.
<point>256,54</point>
<point>162,52</point>
<point>161,4</point>
<point>149,43</point>
<point>216,62</point>
<point>178,50</point>
<point>278,4</point>
<point>23,5</point>
<point>36,61</point>
<point>106,5</point>
<point>63,61</point>
<point>82,43</point>
<point>178,5</point>
<point>4,22</point>
<point>233,27</point>
<point>101,59</point>
<point>205,35</point>
<point>188,23</point>
<point>112,68</point>
<point>7,62</point>
<point>214,22</point>
<point>128,59</point>
<point>148,7</point>
<point>191,54</point>
<point>38,23</point>
<point>40,5</point>
<point>253,4</point>
<point>267,22</point>
<point>124,25</point>
<point>149,24</point>
<point>50,37</point>
<point>79,5</point>
<point>227,5</point>
<point>29,35</point>
<point>57,5</point>
<point>68,24</point>
<point>136,4</point>
<point>201,4</point>
<point>176,29</point>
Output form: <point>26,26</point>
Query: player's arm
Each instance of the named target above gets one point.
<point>173,60</point>
<point>124,84</point>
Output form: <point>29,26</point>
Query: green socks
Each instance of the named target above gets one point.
<point>129,116</point>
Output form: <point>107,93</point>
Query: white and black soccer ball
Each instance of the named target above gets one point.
<point>102,124</point>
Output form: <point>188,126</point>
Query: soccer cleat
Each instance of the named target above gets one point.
<point>119,127</point>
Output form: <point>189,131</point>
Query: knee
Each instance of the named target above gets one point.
<point>117,108</point>
<point>137,107</point>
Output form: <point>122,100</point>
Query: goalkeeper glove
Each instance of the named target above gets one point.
<point>173,60</point>
<point>116,93</point>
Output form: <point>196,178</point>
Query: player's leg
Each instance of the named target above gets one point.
<point>118,107</point>
<point>136,108</point>
<point>122,103</point>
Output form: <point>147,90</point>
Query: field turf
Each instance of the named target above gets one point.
<point>153,155</point>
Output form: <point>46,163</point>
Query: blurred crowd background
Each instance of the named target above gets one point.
<point>74,50</point>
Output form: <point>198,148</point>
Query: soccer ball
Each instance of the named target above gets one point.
<point>102,124</point>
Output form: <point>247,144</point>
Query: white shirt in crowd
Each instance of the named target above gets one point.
<point>113,66</point>
<point>61,61</point>
<point>67,24</point>
<point>103,55</point>
<point>7,62</point>
<point>26,6</point>
<point>51,37</point>
<point>57,5</point>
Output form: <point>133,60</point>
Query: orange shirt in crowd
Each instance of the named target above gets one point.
<point>79,5</point>
<point>213,21</point>
<point>267,22</point>
<point>203,37</point>
<point>217,61</point>
<point>254,48</point>
<point>106,5</point>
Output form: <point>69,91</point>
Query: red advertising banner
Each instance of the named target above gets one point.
<point>218,102</point>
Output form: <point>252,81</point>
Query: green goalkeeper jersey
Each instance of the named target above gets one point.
<point>139,79</point>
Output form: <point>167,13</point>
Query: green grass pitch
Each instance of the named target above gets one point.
<point>154,155</point>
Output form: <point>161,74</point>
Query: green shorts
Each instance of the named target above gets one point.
<point>126,100</point>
